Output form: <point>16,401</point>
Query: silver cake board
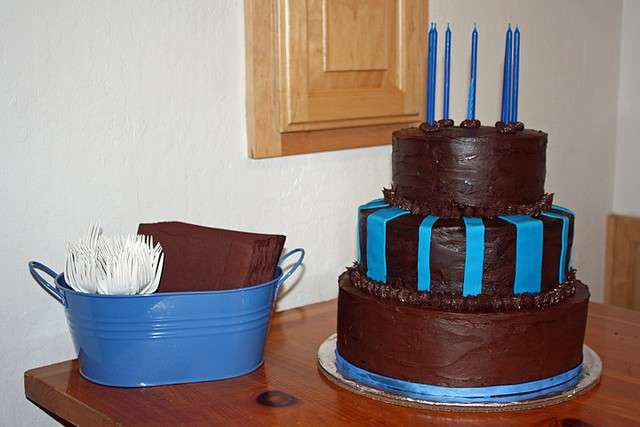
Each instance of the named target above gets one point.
<point>588,377</point>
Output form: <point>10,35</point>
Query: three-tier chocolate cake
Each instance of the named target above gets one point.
<point>464,277</point>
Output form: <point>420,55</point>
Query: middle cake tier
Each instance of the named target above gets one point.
<point>507,255</point>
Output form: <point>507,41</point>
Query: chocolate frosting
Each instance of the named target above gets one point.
<point>512,127</point>
<point>443,123</point>
<point>448,253</point>
<point>447,210</point>
<point>452,349</point>
<point>473,124</point>
<point>482,303</point>
<point>469,167</point>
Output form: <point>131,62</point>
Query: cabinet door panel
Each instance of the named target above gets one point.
<point>364,23</point>
<point>332,74</point>
<point>350,63</point>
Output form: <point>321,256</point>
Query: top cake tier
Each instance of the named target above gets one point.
<point>458,171</point>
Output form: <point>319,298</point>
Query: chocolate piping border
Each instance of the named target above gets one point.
<point>512,127</point>
<point>462,304</point>
<point>453,211</point>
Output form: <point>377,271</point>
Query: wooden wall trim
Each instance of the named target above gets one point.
<point>622,274</point>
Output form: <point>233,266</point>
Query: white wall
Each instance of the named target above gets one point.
<point>131,111</point>
<point>626,195</point>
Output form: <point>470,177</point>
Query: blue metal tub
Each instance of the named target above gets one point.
<point>167,338</point>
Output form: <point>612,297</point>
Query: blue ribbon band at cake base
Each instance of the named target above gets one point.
<point>374,204</point>
<point>474,257</point>
<point>424,252</point>
<point>491,394</point>
<point>529,242</point>
<point>377,241</point>
<point>562,268</point>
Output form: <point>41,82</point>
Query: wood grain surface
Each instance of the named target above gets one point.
<point>317,81</point>
<point>290,390</point>
<point>622,285</point>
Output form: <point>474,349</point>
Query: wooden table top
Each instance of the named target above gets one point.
<point>290,367</point>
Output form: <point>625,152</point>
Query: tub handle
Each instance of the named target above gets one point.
<point>34,266</point>
<point>291,269</point>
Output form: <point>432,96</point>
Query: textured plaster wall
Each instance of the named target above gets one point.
<point>626,197</point>
<point>131,111</point>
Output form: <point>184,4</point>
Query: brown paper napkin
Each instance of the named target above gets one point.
<point>201,258</point>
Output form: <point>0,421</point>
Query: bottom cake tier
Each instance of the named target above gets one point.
<point>453,349</point>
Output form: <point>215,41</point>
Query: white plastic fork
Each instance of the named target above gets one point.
<point>119,265</point>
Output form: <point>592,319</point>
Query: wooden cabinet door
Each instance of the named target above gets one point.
<point>331,74</point>
<point>623,262</point>
<point>349,62</point>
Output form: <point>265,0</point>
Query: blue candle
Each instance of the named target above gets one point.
<point>432,74</point>
<point>516,75</point>
<point>471,101</point>
<point>429,75</point>
<point>506,78</point>
<point>447,72</point>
